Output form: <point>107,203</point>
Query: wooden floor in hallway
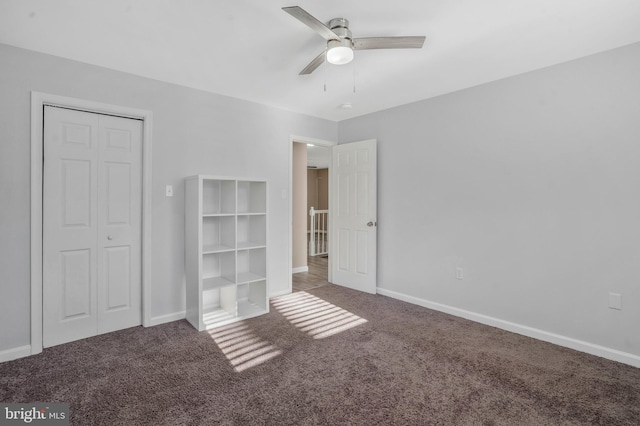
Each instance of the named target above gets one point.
<point>315,277</point>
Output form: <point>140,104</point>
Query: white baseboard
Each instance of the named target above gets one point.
<point>579,345</point>
<point>22,351</point>
<point>15,353</point>
<point>162,319</point>
<point>299,269</point>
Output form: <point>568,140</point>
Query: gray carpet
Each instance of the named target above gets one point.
<point>329,356</point>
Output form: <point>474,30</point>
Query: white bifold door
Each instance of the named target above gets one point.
<point>353,237</point>
<point>92,217</point>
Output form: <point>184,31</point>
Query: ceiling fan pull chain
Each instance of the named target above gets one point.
<point>325,70</point>
<point>354,77</point>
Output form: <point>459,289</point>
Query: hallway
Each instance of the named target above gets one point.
<point>315,277</point>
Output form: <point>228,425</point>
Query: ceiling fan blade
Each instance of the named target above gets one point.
<point>319,60</point>
<point>410,42</point>
<point>307,19</point>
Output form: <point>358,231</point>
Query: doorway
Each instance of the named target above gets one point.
<point>317,219</point>
<point>39,102</point>
<point>352,228</point>
<point>310,163</point>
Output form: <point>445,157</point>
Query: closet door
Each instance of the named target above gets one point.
<point>91,224</point>
<point>119,223</point>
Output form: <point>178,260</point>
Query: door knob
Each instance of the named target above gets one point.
<point>370,223</point>
<point>109,238</point>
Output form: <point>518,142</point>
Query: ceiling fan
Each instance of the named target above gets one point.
<point>340,43</point>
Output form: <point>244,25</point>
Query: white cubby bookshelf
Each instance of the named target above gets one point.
<point>225,249</point>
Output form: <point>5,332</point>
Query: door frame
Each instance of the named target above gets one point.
<point>301,139</point>
<point>38,102</point>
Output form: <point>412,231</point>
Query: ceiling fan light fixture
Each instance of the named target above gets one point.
<point>339,52</point>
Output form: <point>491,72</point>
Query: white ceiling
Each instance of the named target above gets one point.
<point>251,49</point>
<point>318,156</point>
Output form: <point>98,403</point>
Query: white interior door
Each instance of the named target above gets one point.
<point>92,219</point>
<point>354,215</point>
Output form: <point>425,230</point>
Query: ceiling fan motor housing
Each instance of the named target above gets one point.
<point>340,27</point>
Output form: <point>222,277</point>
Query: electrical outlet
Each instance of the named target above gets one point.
<point>615,301</point>
<point>459,272</point>
<point>169,191</point>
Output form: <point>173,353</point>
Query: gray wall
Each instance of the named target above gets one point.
<point>193,132</point>
<point>532,185</point>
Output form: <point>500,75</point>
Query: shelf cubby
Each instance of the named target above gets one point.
<point>251,265</point>
<point>218,234</point>
<point>252,231</point>
<point>252,298</point>
<point>218,269</point>
<point>252,197</point>
<point>218,196</point>
<point>219,305</point>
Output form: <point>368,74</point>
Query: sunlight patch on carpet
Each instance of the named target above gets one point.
<point>315,316</point>
<point>242,347</point>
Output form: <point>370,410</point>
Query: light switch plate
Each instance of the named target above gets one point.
<point>459,272</point>
<point>615,301</point>
<point>169,191</point>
